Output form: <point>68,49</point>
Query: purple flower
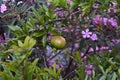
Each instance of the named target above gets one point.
<point>89,72</point>
<point>115,10</point>
<point>60,12</point>
<point>112,10</point>
<point>69,2</point>
<point>82,54</point>
<point>95,6</point>
<point>79,9</point>
<point>97,48</point>
<point>91,50</point>
<point>97,20</point>
<point>115,41</point>
<point>86,33</point>
<point>104,48</point>
<point>94,37</point>
<point>109,50</point>
<point>89,67</point>
<point>85,57</point>
<point>76,45</point>
<point>113,23</point>
<point>3,8</point>
<point>51,64</point>
<point>48,3</point>
<point>113,4</point>
<point>64,29</point>
<point>105,20</point>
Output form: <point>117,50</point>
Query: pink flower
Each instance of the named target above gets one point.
<point>113,4</point>
<point>89,72</point>
<point>89,67</point>
<point>86,33</point>
<point>91,50</point>
<point>82,54</point>
<point>69,2</point>
<point>95,6</point>
<point>97,20</point>
<point>85,57</point>
<point>104,48</point>
<point>60,12</point>
<point>113,22</point>
<point>115,10</point>
<point>48,3</point>
<point>76,45</point>
<point>109,50</point>
<point>97,48</point>
<point>112,10</point>
<point>105,20</point>
<point>3,8</point>
<point>94,37</point>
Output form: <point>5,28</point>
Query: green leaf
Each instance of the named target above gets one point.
<point>83,4</point>
<point>38,34</point>
<point>30,25</point>
<point>81,73</point>
<point>77,56</point>
<point>29,42</point>
<point>114,77</point>
<point>93,75</point>
<point>103,78</point>
<point>20,43</point>
<point>30,68</point>
<point>119,72</point>
<point>26,42</point>
<point>44,40</point>
<point>5,76</point>
<point>102,69</point>
<point>7,71</point>
<point>63,3</point>
<point>39,17</point>
<point>86,9</point>
<point>14,28</point>
<point>86,77</point>
<point>108,69</point>
<point>45,8</point>
<point>81,43</point>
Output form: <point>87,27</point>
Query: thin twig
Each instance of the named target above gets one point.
<point>55,55</point>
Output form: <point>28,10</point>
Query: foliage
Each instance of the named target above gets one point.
<point>91,29</point>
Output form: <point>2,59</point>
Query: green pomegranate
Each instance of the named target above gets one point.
<point>58,42</point>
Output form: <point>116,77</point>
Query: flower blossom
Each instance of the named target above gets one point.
<point>94,37</point>
<point>95,6</point>
<point>105,20</point>
<point>3,8</point>
<point>110,22</point>
<point>97,20</point>
<point>89,72</point>
<point>60,12</point>
<point>89,69</point>
<point>86,33</point>
<point>113,22</point>
<point>69,2</point>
